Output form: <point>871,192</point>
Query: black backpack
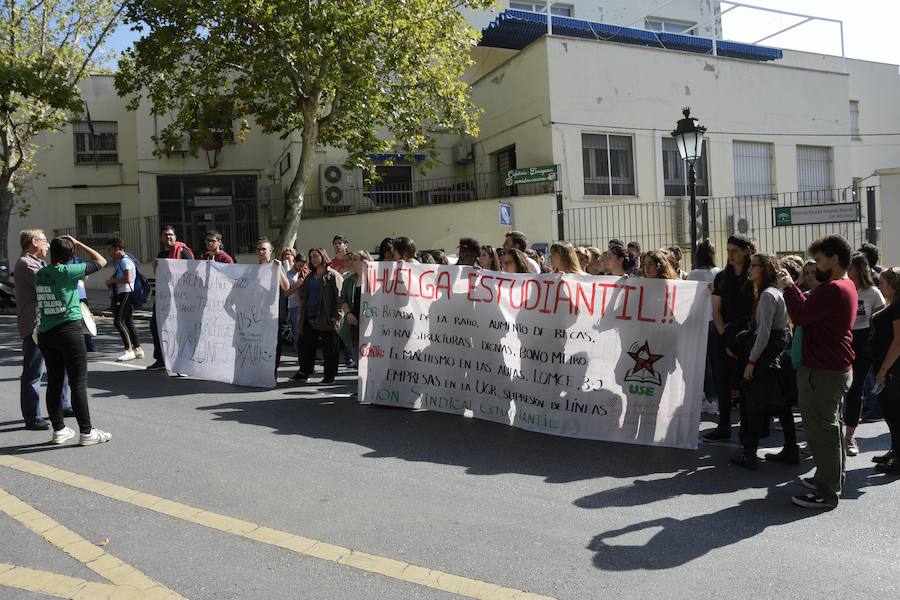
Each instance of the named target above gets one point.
<point>141,290</point>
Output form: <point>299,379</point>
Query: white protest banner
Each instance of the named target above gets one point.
<point>218,321</point>
<point>606,358</point>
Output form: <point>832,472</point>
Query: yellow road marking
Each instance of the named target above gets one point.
<point>395,569</point>
<point>63,586</point>
<point>90,555</point>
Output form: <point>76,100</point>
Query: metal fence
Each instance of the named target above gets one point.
<point>666,223</point>
<point>379,196</point>
<point>140,234</point>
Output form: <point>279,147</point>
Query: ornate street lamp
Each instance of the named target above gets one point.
<point>689,137</point>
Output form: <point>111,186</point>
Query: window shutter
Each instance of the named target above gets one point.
<point>814,172</point>
<point>753,169</point>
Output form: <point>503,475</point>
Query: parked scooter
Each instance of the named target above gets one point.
<point>7,290</point>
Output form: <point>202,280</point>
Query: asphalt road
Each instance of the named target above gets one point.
<point>494,505</point>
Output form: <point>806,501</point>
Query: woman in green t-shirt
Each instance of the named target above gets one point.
<point>60,337</point>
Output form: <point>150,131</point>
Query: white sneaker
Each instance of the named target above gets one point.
<point>126,356</point>
<point>139,353</point>
<point>96,436</point>
<point>62,436</point>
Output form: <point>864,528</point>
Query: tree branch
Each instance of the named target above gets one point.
<point>12,29</point>
<point>98,42</point>
<point>333,115</point>
<point>25,13</point>
<point>7,151</point>
<point>19,162</point>
<point>286,54</point>
<point>4,140</point>
<point>43,30</point>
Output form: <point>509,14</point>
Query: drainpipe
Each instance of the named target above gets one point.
<point>549,18</point>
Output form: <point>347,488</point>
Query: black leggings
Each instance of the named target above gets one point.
<point>65,354</point>
<point>728,378</point>
<point>889,399</point>
<point>853,401</point>
<point>312,339</point>
<point>123,320</point>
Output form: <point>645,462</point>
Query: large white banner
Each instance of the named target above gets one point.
<point>218,321</point>
<point>605,358</point>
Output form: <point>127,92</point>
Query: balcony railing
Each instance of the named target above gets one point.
<point>378,196</point>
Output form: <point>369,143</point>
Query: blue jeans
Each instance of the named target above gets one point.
<point>30,382</point>
<point>295,328</point>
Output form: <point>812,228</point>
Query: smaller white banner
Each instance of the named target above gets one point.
<point>218,321</point>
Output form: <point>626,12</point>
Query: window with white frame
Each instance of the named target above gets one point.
<point>96,141</point>
<point>97,223</point>
<point>608,162</point>
<point>854,120</point>
<point>560,10</point>
<point>669,26</point>
<point>675,170</point>
<point>814,179</point>
<point>753,171</point>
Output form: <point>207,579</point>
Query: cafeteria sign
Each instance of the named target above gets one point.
<point>531,175</point>
<point>817,214</point>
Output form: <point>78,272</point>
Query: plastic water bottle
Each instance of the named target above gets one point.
<point>879,387</point>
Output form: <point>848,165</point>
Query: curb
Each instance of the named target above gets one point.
<point>137,316</point>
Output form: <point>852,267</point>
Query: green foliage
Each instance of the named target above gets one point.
<point>342,72</point>
<point>46,48</point>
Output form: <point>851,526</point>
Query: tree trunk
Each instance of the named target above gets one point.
<point>297,192</point>
<point>7,203</point>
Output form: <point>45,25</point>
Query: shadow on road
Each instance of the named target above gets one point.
<point>680,541</point>
<point>482,447</point>
<point>140,385</point>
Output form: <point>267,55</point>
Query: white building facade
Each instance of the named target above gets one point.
<point>783,127</point>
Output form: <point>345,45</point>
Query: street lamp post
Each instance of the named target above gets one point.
<point>689,138</point>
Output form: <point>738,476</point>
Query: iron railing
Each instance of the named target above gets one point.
<point>141,234</point>
<point>378,196</point>
<point>666,223</point>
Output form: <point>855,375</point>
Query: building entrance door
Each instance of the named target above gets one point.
<point>204,220</point>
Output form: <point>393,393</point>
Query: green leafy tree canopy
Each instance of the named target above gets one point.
<point>46,48</point>
<point>339,72</point>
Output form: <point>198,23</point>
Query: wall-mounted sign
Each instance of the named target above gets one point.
<point>532,175</point>
<point>205,201</point>
<point>816,214</point>
<point>285,164</point>
<point>506,213</point>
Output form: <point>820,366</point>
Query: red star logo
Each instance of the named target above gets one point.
<point>644,359</point>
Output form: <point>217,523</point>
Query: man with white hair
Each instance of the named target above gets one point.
<point>34,250</point>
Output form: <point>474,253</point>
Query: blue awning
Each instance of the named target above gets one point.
<point>515,29</point>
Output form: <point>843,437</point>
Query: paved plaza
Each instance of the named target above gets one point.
<point>210,491</point>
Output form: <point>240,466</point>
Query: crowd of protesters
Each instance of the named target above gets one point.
<point>821,333</point>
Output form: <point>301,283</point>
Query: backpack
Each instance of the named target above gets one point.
<point>142,287</point>
<point>141,290</point>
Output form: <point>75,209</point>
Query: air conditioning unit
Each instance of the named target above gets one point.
<point>160,122</point>
<point>182,145</point>
<point>340,187</point>
<point>682,222</point>
<point>463,153</point>
<point>682,219</point>
<point>272,198</point>
<point>741,222</point>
